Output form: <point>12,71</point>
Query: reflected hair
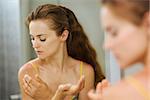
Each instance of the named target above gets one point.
<point>132,10</point>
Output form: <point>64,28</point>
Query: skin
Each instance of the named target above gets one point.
<point>130,44</point>
<point>52,58</point>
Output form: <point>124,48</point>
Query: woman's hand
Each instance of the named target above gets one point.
<point>100,88</point>
<point>36,88</point>
<point>69,89</point>
<point>75,89</point>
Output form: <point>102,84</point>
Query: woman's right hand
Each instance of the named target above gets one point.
<point>36,88</point>
<point>69,89</point>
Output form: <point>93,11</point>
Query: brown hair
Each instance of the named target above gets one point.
<point>132,10</point>
<point>78,45</point>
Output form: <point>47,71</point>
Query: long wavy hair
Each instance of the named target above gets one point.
<point>78,45</point>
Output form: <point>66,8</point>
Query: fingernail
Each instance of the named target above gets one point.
<point>27,77</point>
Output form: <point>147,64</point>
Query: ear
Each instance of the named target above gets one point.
<point>64,35</point>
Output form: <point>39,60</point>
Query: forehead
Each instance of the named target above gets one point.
<point>108,18</point>
<point>39,27</point>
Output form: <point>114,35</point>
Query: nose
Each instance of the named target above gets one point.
<point>35,44</point>
<point>107,45</point>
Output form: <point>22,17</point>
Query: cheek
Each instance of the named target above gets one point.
<point>133,48</point>
<point>52,46</point>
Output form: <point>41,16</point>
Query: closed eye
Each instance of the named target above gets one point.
<point>114,34</point>
<point>42,38</point>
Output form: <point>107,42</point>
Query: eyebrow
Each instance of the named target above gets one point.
<point>108,28</point>
<point>38,35</point>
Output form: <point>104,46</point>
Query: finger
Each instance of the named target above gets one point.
<point>59,91</point>
<point>26,83</point>
<point>27,89</point>
<point>82,78</point>
<point>34,83</point>
<point>99,88</point>
<point>27,79</point>
<point>31,84</point>
<point>77,87</point>
<point>64,87</point>
<point>81,83</point>
<point>105,83</point>
<point>31,89</point>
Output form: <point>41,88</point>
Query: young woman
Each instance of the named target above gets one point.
<point>64,54</point>
<point>127,25</point>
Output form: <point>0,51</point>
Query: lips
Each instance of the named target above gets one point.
<point>39,52</point>
<point>116,55</point>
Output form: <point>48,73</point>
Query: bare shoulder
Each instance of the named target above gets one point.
<point>119,91</point>
<point>27,68</point>
<point>87,69</point>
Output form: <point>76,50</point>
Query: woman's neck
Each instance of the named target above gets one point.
<point>59,60</point>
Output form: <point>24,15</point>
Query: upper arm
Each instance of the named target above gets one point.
<point>88,71</point>
<point>22,71</point>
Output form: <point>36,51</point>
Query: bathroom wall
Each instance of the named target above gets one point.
<point>10,47</point>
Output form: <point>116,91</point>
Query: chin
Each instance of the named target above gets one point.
<point>125,65</point>
<point>122,66</point>
<point>41,57</point>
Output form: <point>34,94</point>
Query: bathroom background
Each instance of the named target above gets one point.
<point>16,49</point>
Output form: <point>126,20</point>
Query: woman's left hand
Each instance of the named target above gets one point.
<point>36,88</point>
<point>69,89</point>
<point>100,88</point>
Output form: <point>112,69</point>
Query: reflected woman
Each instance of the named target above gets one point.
<point>127,25</point>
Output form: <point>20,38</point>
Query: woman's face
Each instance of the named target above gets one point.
<point>44,40</point>
<point>127,41</point>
